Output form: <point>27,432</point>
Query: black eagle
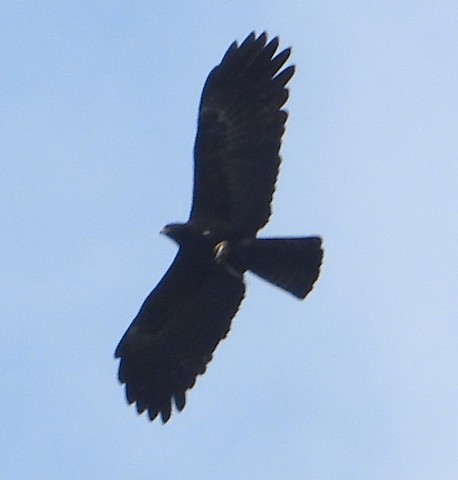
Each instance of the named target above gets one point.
<point>236,155</point>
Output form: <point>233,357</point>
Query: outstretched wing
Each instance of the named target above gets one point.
<point>239,135</point>
<point>175,333</point>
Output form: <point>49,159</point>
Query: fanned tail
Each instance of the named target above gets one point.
<point>292,264</point>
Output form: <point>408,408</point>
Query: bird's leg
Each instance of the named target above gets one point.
<point>221,251</point>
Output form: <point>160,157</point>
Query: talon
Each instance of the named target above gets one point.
<point>220,251</point>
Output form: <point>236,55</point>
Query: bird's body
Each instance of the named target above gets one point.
<point>178,327</point>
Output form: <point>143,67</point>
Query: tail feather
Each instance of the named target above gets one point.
<point>292,264</point>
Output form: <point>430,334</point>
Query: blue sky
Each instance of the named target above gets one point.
<point>98,106</point>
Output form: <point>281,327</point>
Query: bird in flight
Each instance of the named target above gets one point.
<point>236,162</point>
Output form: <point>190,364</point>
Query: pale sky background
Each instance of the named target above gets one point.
<point>98,104</point>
